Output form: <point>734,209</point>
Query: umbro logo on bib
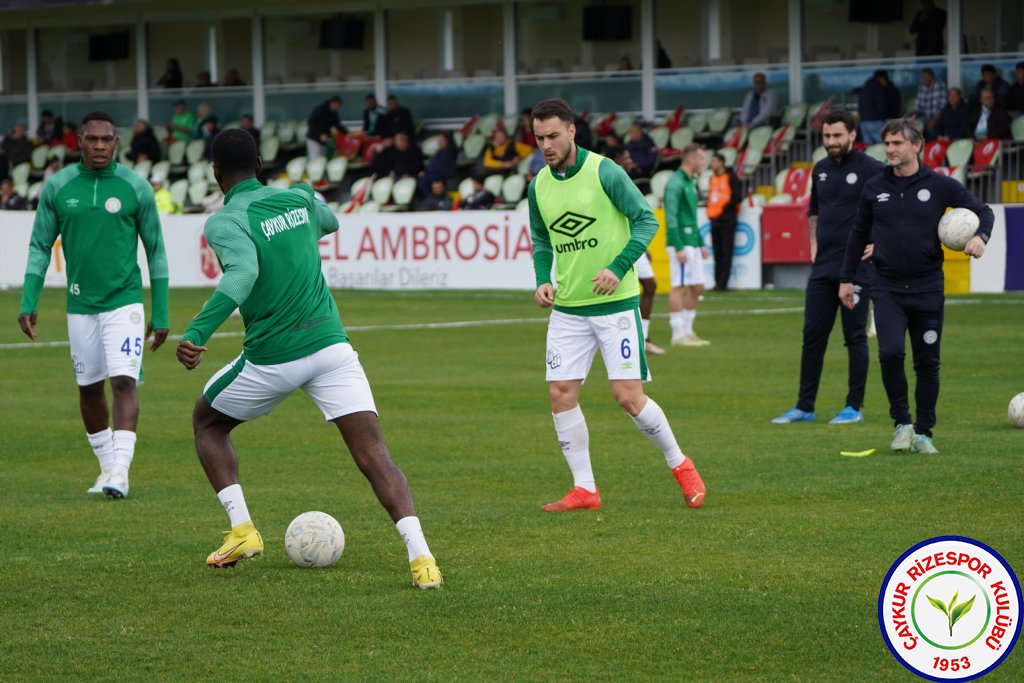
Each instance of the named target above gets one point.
<point>571,224</point>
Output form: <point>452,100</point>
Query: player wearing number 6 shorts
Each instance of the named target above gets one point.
<point>100,210</point>
<point>590,221</point>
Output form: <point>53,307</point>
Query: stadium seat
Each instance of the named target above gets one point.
<point>817,112</point>
<point>493,183</point>
<point>269,129</point>
<point>466,187</point>
<point>315,169</point>
<point>621,127</point>
<point>876,151</point>
<point>336,168</point>
<point>759,137</point>
<point>795,114</point>
<point>681,137</point>
<point>194,150</point>
<point>659,181</point>
<point>402,193</point>
<point>748,161</point>
<point>513,188</point>
<point>523,204</point>
<point>653,200</point>
<point>429,146</point>
<point>697,122</point>
<point>360,189</point>
<point>160,168</point>
<point>197,192</point>
<point>675,122</point>
<point>334,206</point>
<point>58,152</point>
<point>296,169</point>
<point>179,191</point>
<point>487,123</point>
<point>176,154</point>
<point>160,131</point>
<point>197,171</point>
<point>280,183</point>
<point>730,155</point>
<point>781,198</point>
<point>605,125</point>
<point>286,132</point>
<point>40,157</point>
<point>959,152</point>
<point>142,168</point>
<point>703,180</point>
<point>934,154</point>
<point>472,148</point>
<point>818,154</point>
<point>511,123</point>
<point>986,152</point>
<point>735,138</point>
<point>301,128</point>
<point>779,181</point>
<point>796,182</point>
<point>270,145</point>
<point>20,173</point>
<point>35,190</point>
<point>467,128</point>
<point>380,191</point>
<point>719,119</point>
<point>660,135</point>
<point>368,207</point>
<point>210,177</point>
<point>1017,129</point>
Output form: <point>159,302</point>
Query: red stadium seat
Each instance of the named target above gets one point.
<point>735,140</point>
<point>676,120</point>
<point>774,145</point>
<point>935,153</point>
<point>985,152</point>
<point>469,125</point>
<point>818,119</point>
<point>371,146</point>
<point>349,145</point>
<point>606,125</point>
<point>943,170</point>
<point>795,184</point>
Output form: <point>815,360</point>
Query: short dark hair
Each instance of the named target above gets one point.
<point>882,73</point>
<point>371,96</point>
<point>929,71</point>
<point>554,107</point>
<point>98,116</point>
<point>988,67</point>
<point>335,99</point>
<point>840,115</point>
<point>1020,65</point>
<point>719,156</point>
<point>906,127</point>
<point>234,150</point>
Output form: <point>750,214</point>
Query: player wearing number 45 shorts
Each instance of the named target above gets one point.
<point>590,221</point>
<point>101,210</point>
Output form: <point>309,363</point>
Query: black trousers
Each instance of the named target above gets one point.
<point>821,303</point>
<point>723,241</point>
<point>920,315</point>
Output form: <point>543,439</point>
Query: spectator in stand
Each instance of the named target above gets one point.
<point>500,154</point>
<point>246,124</point>
<point>759,105</point>
<point>161,195</point>
<point>16,146</point>
<point>322,123</point>
<point>620,155</point>
<point>584,137</point>
<point>625,64</point>
<point>1015,93</point>
<point>373,116</point>
<point>524,135</point>
<point>929,25</point>
<point>50,128</point>
<point>397,119</point>
<point>69,138</point>
<point>10,200</point>
<point>52,168</point>
<point>208,131</point>
<point>441,166</point>
<point>203,112</point>
<point>931,97</point>
<point>4,172</point>
<point>204,80</point>
<point>172,77</point>
<point>399,159</point>
<point>183,122</point>
<point>479,198</point>
<point>437,199</point>
<point>144,144</point>
<point>994,82</point>
<point>537,163</point>
<point>724,197</point>
<point>232,79</point>
<point>878,101</point>
<point>610,145</point>
<point>988,119</point>
<point>642,151</point>
<point>952,123</point>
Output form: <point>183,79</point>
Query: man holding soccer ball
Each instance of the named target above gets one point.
<point>899,212</point>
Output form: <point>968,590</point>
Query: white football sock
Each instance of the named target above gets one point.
<point>412,533</point>
<point>651,421</point>
<point>103,446</point>
<point>124,449</point>
<point>675,321</point>
<point>688,316</point>
<point>234,504</point>
<point>646,324</point>
<point>573,437</point>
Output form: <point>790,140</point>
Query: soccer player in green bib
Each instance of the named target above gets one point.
<point>591,222</point>
<point>101,210</point>
<point>266,242</point>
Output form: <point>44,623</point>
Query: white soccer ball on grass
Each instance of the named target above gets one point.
<point>1016,410</point>
<point>957,227</point>
<point>314,540</point>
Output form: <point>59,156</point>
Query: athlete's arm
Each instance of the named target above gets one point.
<point>812,220</point>
<point>326,221</point>
<point>147,221</point>
<point>673,233</point>
<point>627,198</point>
<point>855,246</point>
<point>543,255</point>
<point>237,256</point>
<point>40,246</point>
<point>962,197</point>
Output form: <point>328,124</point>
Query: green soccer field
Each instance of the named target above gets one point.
<point>775,579</point>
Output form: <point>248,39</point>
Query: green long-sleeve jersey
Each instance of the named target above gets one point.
<point>590,232</point>
<point>266,241</point>
<point>100,216</point>
<point>681,229</point>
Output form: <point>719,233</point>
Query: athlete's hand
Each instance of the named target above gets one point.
<point>189,354</point>
<point>704,253</point>
<point>545,295</point>
<point>846,294</point>
<point>681,255</point>
<point>159,336</point>
<point>28,324</point>
<point>605,282</point>
<point>975,247</point>
<point>869,249</point>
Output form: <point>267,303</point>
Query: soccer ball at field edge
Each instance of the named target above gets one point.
<point>1016,410</point>
<point>314,540</point>
<point>957,227</point>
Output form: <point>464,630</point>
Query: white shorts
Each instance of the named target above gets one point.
<point>689,273</point>
<point>643,267</point>
<point>107,344</point>
<point>573,341</point>
<point>332,377</point>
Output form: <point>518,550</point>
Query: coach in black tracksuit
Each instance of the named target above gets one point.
<point>838,181</point>
<point>899,213</point>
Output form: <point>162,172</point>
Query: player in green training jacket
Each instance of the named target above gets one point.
<point>591,222</point>
<point>266,242</point>
<point>100,210</point>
